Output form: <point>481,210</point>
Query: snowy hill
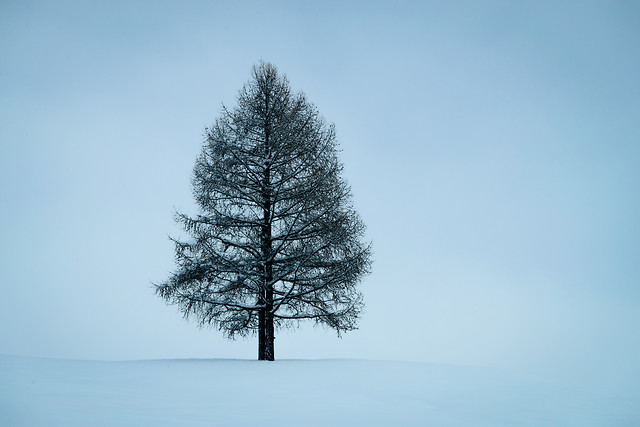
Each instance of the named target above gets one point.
<point>290,393</point>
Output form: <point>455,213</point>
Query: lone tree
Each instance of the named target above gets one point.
<point>277,239</point>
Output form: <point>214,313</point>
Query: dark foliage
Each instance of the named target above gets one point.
<point>277,239</point>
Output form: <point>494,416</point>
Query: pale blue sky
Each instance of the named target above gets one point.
<point>492,149</point>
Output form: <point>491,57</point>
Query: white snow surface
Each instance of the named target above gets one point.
<point>218,392</point>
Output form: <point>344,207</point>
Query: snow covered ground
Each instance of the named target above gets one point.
<point>48,392</point>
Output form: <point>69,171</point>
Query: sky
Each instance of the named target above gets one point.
<point>491,147</point>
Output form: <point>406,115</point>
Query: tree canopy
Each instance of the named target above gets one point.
<point>276,239</point>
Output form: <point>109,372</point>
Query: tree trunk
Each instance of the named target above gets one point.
<point>266,337</point>
<point>262,335</point>
<point>266,334</point>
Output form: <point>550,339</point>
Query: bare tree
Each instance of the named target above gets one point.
<point>277,239</point>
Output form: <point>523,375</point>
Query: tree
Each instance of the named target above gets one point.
<point>277,239</point>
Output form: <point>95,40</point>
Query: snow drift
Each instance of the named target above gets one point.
<point>290,393</point>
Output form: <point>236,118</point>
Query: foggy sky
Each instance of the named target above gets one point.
<point>492,149</point>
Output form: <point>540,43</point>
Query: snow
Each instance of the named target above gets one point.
<point>208,392</point>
